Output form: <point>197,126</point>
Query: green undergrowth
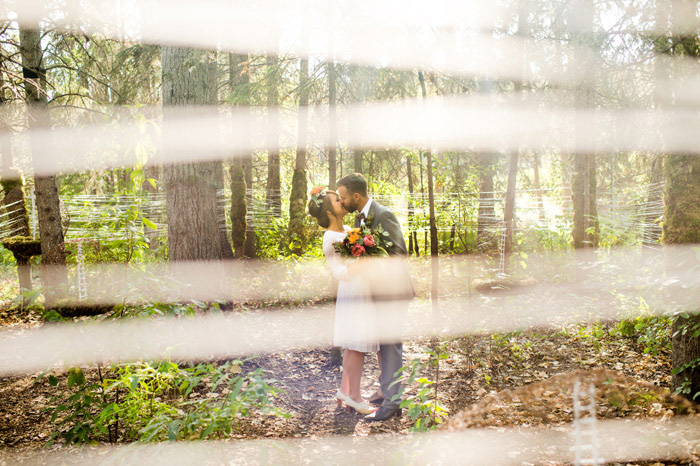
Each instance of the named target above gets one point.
<point>156,401</point>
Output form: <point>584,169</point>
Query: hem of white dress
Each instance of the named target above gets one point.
<point>359,349</point>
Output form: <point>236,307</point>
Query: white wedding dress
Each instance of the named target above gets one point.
<point>354,309</point>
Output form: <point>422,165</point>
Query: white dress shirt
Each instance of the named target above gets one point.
<point>365,210</point>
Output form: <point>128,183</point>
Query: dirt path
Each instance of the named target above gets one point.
<point>477,367</point>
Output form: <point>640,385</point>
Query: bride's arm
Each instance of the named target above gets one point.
<point>338,268</point>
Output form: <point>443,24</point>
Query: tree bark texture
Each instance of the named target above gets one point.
<point>238,208</point>
<point>682,226</point>
<point>274,186</point>
<point>509,209</point>
<point>412,235</point>
<point>565,163</point>
<point>226,248</point>
<point>249,248</point>
<point>652,230</point>
<point>592,199</point>
<point>332,126</point>
<point>13,206</point>
<point>191,202</point>
<point>538,187</point>
<point>53,259</point>
<point>242,233</point>
<point>297,198</point>
<point>357,156</point>
<point>583,178</point>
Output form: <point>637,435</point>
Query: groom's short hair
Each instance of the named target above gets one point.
<point>354,183</point>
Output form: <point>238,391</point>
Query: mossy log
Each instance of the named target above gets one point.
<point>79,309</point>
<point>23,248</point>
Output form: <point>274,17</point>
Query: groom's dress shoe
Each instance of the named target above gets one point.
<point>382,414</point>
<point>376,399</point>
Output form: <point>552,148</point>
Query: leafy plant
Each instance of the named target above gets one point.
<point>421,402</point>
<point>160,401</point>
<point>26,298</point>
<point>74,415</point>
<point>653,332</point>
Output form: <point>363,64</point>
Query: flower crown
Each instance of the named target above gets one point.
<point>317,195</point>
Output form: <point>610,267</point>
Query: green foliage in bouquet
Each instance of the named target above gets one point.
<point>359,242</point>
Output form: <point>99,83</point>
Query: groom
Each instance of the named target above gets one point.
<point>393,299</point>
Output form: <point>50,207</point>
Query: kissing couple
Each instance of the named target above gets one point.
<point>373,292</point>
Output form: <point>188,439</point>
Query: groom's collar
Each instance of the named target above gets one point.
<point>365,209</point>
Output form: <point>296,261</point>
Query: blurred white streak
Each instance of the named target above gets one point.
<point>476,124</point>
<point>621,441</point>
<point>587,287</point>
<point>450,36</point>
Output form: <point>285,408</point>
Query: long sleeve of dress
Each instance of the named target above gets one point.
<point>335,262</point>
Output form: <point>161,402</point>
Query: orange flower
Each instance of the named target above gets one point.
<point>353,236</point>
<point>316,190</point>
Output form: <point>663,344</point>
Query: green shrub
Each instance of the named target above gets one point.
<point>420,392</point>
<point>159,401</point>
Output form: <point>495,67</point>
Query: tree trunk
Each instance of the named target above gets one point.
<point>238,208</point>
<point>422,195</point>
<point>510,207</point>
<point>583,177</point>
<point>682,226</point>
<point>11,182</point>
<point>332,126</point>
<point>242,233</point>
<point>434,264</point>
<point>592,199</point>
<point>249,248</point>
<point>412,236</point>
<point>13,203</point>
<point>191,203</point>
<point>565,160</point>
<point>297,198</point>
<point>274,186</point>
<point>152,172</point>
<point>226,248</point>
<point>357,160</point>
<point>682,221</point>
<point>53,258</point>
<point>578,199</point>
<point>651,229</point>
<point>538,187</point>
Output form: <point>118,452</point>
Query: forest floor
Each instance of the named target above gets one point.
<point>482,383</point>
<point>478,384</point>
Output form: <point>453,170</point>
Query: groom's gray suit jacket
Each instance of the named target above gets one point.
<point>398,285</point>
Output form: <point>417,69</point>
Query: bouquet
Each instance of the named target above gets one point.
<point>361,242</point>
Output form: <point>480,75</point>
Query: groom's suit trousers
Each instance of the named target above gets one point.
<point>391,355</point>
<point>392,305</point>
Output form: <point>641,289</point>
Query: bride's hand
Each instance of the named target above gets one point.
<point>356,268</point>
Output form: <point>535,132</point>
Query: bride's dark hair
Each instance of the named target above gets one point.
<point>319,210</point>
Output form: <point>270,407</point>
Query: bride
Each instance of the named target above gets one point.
<point>354,312</point>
